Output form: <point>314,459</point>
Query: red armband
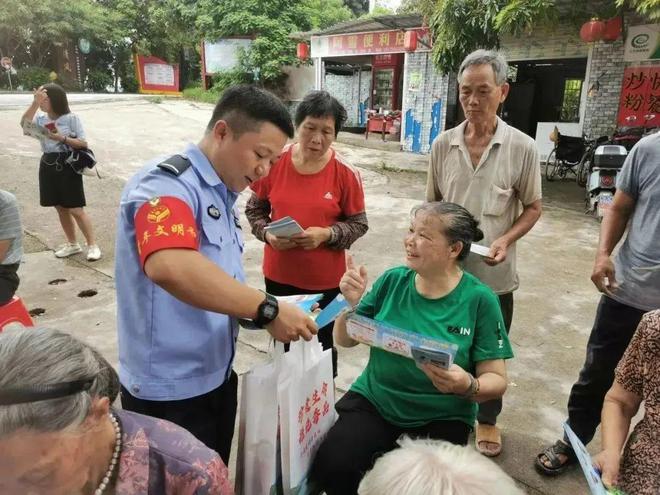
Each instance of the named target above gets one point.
<point>164,223</point>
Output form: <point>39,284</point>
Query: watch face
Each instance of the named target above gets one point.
<point>269,312</point>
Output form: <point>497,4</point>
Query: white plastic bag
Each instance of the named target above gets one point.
<point>256,464</point>
<point>306,400</point>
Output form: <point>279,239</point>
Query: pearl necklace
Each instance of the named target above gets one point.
<point>115,456</point>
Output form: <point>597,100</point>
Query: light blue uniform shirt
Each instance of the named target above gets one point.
<point>67,125</point>
<point>169,350</point>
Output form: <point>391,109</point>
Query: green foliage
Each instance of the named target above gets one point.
<point>646,8</point>
<point>196,93</point>
<point>129,82</point>
<point>520,16</point>
<point>31,77</point>
<point>461,26</point>
<point>98,80</point>
<point>225,79</point>
<point>270,23</point>
<point>358,7</point>
<point>31,29</point>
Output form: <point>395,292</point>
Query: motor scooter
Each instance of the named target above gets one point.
<point>607,161</point>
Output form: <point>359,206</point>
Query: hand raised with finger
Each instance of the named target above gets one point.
<point>354,281</point>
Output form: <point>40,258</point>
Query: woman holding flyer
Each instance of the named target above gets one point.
<point>315,187</point>
<point>59,185</point>
<point>637,379</point>
<point>431,297</point>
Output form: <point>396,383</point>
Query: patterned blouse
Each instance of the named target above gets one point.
<point>161,458</point>
<point>639,372</point>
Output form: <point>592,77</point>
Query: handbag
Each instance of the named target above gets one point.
<point>81,159</point>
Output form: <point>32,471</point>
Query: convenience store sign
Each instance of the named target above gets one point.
<point>370,43</point>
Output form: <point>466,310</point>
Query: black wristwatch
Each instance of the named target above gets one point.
<point>267,311</point>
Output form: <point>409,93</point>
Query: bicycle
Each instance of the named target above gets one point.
<point>564,157</point>
<point>584,167</point>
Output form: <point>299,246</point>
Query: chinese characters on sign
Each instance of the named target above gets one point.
<point>640,97</point>
<point>316,407</point>
<point>156,75</point>
<point>366,43</point>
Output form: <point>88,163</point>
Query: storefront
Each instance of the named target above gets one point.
<point>556,78</point>
<point>366,64</point>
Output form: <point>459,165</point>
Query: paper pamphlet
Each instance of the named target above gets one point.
<point>392,339</point>
<point>332,311</point>
<point>590,472</point>
<point>284,227</point>
<point>33,130</point>
<point>480,250</point>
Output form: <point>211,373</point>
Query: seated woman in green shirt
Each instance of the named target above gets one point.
<point>431,295</point>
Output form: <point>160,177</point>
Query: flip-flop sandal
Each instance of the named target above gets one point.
<point>490,434</point>
<point>552,454</point>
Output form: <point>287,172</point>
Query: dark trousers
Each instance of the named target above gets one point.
<point>491,409</point>
<point>613,328</point>
<point>360,436</point>
<point>209,417</point>
<point>325,333</point>
<point>8,282</point>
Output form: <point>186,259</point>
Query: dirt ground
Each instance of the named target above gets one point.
<point>554,307</point>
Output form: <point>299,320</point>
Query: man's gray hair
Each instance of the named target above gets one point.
<point>37,356</point>
<point>435,467</point>
<point>482,57</point>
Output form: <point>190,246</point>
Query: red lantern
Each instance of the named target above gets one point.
<point>613,28</point>
<point>592,31</point>
<point>410,41</point>
<point>302,51</point>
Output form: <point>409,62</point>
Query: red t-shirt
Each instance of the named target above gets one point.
<point>316,200</point>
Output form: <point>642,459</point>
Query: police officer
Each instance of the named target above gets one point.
<point>179,276</point>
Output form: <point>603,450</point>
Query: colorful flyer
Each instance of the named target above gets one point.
<point>395,340</point>
<point>332,311</point>
<point>590,472</point>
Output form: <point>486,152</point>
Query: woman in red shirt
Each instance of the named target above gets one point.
<point>317,188</point>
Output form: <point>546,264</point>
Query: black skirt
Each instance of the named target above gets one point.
<point>59,184</point>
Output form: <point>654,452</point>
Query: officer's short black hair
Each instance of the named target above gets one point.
<point>321,104</point>
<point>245,107</point>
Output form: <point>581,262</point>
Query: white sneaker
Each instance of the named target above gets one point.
<point>67,250</point>
<point>93,253</point>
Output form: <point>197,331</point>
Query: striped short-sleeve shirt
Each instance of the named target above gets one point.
<point>10,228</point>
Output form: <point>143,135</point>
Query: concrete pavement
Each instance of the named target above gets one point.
<point>554,307</point>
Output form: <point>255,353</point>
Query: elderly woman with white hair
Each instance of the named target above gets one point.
<point>435,467</point>
<point>59,434</point>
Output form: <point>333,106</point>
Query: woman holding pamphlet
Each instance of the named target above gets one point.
<point>59,131</point>
<point>637,379</point>
<point>406,389</point>
<point>309,209</point>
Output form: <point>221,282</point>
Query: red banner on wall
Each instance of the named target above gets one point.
<point>367,43</point>
<point>640,97</point>
<point>157,76</point>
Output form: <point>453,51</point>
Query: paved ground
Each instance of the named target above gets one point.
<point>554,307</point>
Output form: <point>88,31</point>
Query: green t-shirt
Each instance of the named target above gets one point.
<point>469,316</point>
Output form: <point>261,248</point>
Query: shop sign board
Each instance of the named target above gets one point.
<point>642,43</point>
<point>639,105</point>
<point>371,43</point>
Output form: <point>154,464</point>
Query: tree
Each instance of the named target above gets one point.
<point>31,29</point>
<point>270,23</point>
<point>358,7</point>
<point>460,26</point>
